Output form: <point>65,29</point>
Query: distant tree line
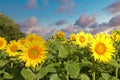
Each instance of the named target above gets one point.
<point>9,29</point>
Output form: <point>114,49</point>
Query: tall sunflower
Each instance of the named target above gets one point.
<point>81,39</point>
<point>60,34</point>
<point>72,37</point>
<point>102,48</point>
<point>12,48</point>
<point>3,43</point>
<point>33,53</point>
<point>21,41</point>
<point>53,36</point>
<point>32,37</point>
<point>89,37</point>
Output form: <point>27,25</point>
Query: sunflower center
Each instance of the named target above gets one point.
<point>22,42</point>
<point>14,48</point>
<point>100,48</point>
<point>60,35</point>
<point>82,39</point>
<point>33,53</point>
<point>73,38</point>
<point>1,43</point>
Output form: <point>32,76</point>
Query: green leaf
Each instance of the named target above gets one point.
<point>49,56</point>
<point>54,77</point>
<point>85,62</point>
<point>8,76</point>
<point>62,50</point>
<point>73,69</point>
<point>51,67</point>
<point>3,62</point>
<point>114,63</point>
<point>101,78</point>
<point>43,71</point>
<point>84,77</point>
<point>27,74</point>
<point>114,78</point>
<point>106,76</point>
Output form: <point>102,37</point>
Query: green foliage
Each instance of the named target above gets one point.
<point>64,61</point>
<point>9,29</point>
<point>73,69</point>
<point>84,77</point>
<point>27,74</point>
<point>54,77</point>
<point>62,52</point>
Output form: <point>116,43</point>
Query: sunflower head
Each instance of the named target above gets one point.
<point>53,36</point>
<point>116,35</point>
<point>32,37</point>
<point>22,41</point>
<point>60,34</point>
<point>81,39</point>
<point>3,43</point>
<point>63,41</point>
<point>12,48</point>
<point>89,37</point>
<point>72,37</point>
<point>102,48</point>
<point>33,53</point>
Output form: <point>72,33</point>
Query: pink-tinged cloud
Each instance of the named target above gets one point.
<point>85,20</point>
<point>60,22</point>
<point>31,4</point>
<point>109,29</point>
<point>98,30</point>
<point>28,24</point>
<point>68,29</point>
<point>114,7</point>
<point>115,21</point>
<point>45,32</point>
<point>65,6</point>
<point>113,24</point>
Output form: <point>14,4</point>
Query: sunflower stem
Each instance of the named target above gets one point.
<point>116,69</point>
<point>94,69</point>
<point>116,73</point>
<point>67,76</point>
<point>93,75</point>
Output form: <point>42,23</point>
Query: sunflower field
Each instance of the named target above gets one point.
<point>81,56</point>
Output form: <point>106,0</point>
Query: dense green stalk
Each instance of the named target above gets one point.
<point>93,75</point>
<point>116,73</point>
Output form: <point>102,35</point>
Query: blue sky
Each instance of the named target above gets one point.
<point>45,16</point>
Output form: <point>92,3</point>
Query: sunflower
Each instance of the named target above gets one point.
<point>3,43</point>
<point>12,48</point>
<point>33,53</point>
<point>102,48</point>
<point>72,37</point>
<point>89,37</point>
<point>63,41</point>
<point>32,37</point>
<point>81,39</point>
<point>116,37</point>
<point>22,42</point>
<point>53,36</point>
<point>60,34</point>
